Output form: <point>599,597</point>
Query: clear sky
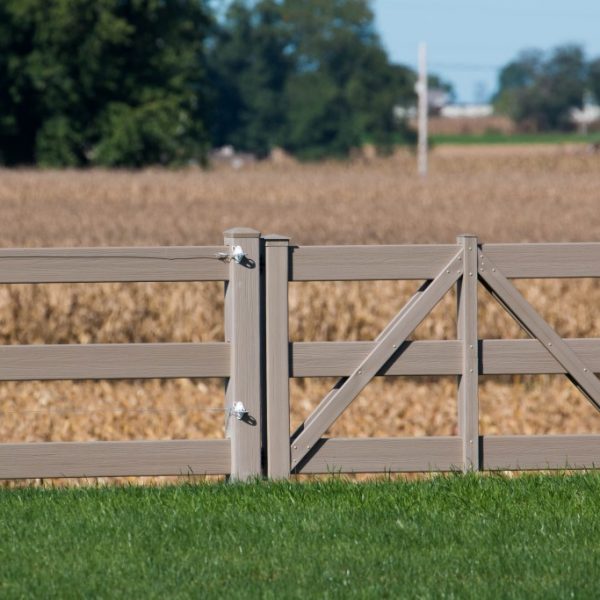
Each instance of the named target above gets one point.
<point>468,40</point>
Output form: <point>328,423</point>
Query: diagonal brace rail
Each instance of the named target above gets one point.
<point>513,301</point>
<point>388,343</point>
<point>343,380</point>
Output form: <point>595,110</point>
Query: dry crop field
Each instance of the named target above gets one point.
<point>502,194</point>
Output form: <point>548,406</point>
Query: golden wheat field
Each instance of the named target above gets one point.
<point>502,194</point>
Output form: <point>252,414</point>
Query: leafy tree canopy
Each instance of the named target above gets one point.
<point>311,77</point>
<point>102,81</point>
<point>538,90</point>
<point>594,78</point>
<point>135,82</point>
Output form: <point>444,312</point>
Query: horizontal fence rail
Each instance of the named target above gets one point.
<point>87,265</point>
<point>526,261</point>
<point>114,361</point>
<point>383,455</point>
<point>540,261</point>
<point>444,357</point>
<point>443,453</point>
<point>104,459</point>
<point>351,263</point>
<point>256,359</point>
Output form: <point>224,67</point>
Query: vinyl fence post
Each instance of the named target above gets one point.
<point>468,380</point>
<point>243,331</point>
<point>277,356</point>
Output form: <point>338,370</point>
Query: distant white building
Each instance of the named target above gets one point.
<point>228,155</point>
<point>436,100</point>
<point>438,106</point>
<point>405,112</point>
<point>468,111</point>
<point>586,116</point>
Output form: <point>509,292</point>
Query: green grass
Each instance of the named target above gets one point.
<point>517,138</point>
<point>455,537</point>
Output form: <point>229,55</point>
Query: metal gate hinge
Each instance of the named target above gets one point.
<point>238,410</point>
<point>236,254</point>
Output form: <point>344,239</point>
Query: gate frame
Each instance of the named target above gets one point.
<point>289,452</point>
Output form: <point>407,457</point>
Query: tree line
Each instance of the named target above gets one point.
<point>539,89</point>
<point>135,82</point>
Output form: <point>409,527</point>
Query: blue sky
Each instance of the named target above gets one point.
<point>468,40</point>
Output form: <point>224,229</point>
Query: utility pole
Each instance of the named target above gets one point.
<point>422,109</point>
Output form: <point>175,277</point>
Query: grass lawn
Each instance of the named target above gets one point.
<point>454,537</point>
<point>517,138</point>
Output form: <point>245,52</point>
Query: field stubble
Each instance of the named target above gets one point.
<point>531,195</point>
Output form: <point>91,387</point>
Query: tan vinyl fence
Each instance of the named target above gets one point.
<point>257,359</point>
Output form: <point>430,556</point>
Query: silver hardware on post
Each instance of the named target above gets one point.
<point>239,410</point>
<point>236,254</point>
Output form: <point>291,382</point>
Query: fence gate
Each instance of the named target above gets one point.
<point>256,358</point>
<point>391,353</point>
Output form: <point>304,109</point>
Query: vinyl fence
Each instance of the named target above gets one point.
<point>257,359</point>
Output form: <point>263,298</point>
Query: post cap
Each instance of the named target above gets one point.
<point>241,232</point>
<point>275,239</point>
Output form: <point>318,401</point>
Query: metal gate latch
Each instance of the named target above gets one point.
<point>236,254</point>
<point>239,410</point>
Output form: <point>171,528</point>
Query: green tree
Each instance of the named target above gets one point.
<point>309,76</point>
<point>107,82</point>
<point>249,68</point>
<point>538,91</point>
<point>343,89</point>
<point>593,81</point>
